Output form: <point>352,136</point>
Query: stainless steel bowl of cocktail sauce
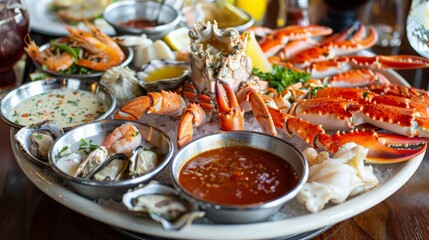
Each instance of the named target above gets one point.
<point>239,176</point>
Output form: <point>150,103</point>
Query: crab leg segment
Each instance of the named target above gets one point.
<point>357,78</point>
<point>383,148</point>
<point>231,116</point>
<point>194,116</point>
<point>334,48</point>
<point>277,40</point>
<point>394,62</point>
<point>164,103</point>
<point>332,113</point>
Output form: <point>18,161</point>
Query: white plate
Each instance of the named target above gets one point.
<point>394,177</point>
<point>43,20</point>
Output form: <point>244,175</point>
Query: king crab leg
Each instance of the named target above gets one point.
<point>383,148</point>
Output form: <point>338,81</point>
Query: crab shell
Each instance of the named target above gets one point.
<point>216,54</point>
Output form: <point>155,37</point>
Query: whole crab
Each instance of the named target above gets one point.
<point>220,68</point>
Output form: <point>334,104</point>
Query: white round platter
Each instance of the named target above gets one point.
<point>395,176</point>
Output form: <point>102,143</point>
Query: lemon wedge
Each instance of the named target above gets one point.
<point>254,51</point>
<point>256,8</point>
<point>235,14</point>
<point>178,39</point>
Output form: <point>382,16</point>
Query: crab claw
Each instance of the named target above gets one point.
<point>383,148</point>
<point>231,116</point>
<point>166,103</point>
<point>250,99</point>
<point>194,116</point>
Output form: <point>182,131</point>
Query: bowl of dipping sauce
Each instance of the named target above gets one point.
<point>140,17</point>
<point>165,75</point>
<point>239,176</point>
<point>68,102</point>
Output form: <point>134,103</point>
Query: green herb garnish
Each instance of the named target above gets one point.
<point>280,77</point>
<point>66,48</point>
<point>87,146</point>
<point>38,136</point>
<point>63,150</point>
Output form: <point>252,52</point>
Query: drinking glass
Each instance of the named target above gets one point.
<point>387,17</point>
<point>14,26</point>
<point>418,27</point>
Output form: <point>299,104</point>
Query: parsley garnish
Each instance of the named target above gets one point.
<point>87,146</point>
<point>281,78</point>
<point>38,136</point>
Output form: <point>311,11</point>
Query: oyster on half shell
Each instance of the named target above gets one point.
<point>142,161</point>
<point>114,168</point>
<point>37,139</point>
<point>91,162</point>
<point>163,204</point>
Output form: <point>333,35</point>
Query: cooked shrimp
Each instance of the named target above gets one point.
<point>104,50</point>
<point>53,62</point>
<point>124,139</point>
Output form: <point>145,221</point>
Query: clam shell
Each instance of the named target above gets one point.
<point>163,204</point>
<point>37,139</point>
<point>166,84</point>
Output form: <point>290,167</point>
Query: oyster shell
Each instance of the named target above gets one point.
<point>164,84</point>
<point>114,168</point>
<point>91,162</point>
<point>142,161</point>
<point>163,204</point>
<point>36,140</point>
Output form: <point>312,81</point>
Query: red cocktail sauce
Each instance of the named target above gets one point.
<point>237,175</point>
<point>138,23</point>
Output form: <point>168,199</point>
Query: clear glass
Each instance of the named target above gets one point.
<point>418,27</point>
<point>386,16</point>
<point>14,27</point>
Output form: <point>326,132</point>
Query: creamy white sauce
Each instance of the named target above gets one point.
<point>63,106</point>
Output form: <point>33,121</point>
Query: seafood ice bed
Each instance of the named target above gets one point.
<point>291,209</point>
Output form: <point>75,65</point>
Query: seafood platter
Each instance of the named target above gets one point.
<point>315,130</point>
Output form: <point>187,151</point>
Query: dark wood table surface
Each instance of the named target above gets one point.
<point>27,213</point>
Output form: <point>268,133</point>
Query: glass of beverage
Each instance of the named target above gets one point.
<point>418,27</point>
<point>14,26</point>
<point>387,17</point>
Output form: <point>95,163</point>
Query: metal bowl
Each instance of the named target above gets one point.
<point>97,131</point>
<point>124,11</point>
<point>14,97</point>
<point>243,213</point>
<point>129,55</point>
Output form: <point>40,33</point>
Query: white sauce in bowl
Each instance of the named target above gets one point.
<point>64,106</point>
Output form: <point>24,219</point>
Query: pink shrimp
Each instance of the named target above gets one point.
<point>102,48</point>
<point>53,62</point>
<point>123,139</point>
